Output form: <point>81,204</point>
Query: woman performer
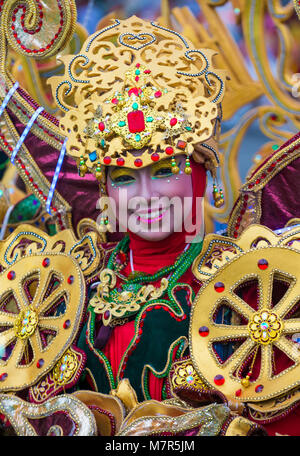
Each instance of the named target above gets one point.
<point>142,114</point>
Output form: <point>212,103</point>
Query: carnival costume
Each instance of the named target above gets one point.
<point>74,318</point>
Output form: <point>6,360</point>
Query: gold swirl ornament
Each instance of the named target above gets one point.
<point>259,330</point>
<point>36,30</point>
<point>21,414</point>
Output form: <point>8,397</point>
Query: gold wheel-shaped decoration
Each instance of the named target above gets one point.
<point>260,326</point>
<point>41,304</point>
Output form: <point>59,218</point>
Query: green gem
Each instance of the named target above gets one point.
<point>122,123</point>
<point>149,119</point>
<point>102,143</point>
<point>275,147</point>
<point>137,72</point>
<point>237,10</point>
<point>188,128</point>
<point>137,137</point>
<point>135,106</point>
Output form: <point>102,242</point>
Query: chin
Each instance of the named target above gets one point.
<point>151,236</point>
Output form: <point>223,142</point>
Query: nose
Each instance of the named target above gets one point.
<point>147,187</point>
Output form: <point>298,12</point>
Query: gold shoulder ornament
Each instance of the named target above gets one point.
<point>266,266</point>
<point>42,299</point>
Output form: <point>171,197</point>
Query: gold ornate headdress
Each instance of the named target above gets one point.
<point>138,93</point>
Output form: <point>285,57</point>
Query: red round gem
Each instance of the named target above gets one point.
<point>173,121</point>
<point>138,65</point>
<point>138,162</point>
<point>203,331</point>
<point>120,161</point>
<point>40,363</point>
<point>219,380</point>
<point>106,314</point>
<point>46,262</point>
<point>11,275</point>
<point>262,264</point>
<point>169,150</point>
<point>219,287</point>
<point>67,324</point>
<point>158,94</point>
<point>70,279</point>
<point>155,157</point>
<point>137,78</point>
<point>3,377</point>
<point>238,392</point>
<point>101,126</point>
<point>259,388</point>
<point>107,160</point>
<point>147,71</point>
<point>115,101</point>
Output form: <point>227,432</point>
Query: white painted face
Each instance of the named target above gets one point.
<point>152,201</point>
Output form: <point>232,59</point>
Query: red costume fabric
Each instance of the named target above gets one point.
<point>149,257</point>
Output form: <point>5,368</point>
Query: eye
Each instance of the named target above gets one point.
<point>122,179</point>
<point>162,172</point>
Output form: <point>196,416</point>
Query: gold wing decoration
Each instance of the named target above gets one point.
<point>37,30</point>
<point>42,300</point>
<point>248,208</point>
<point>278,113</point>
<point>256,280</point>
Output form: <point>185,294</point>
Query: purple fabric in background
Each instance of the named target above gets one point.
<point>81,193</point>
<point>280,197</point>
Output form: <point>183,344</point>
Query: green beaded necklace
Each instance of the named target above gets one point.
<point>180,266</point>
<point>182,263</point>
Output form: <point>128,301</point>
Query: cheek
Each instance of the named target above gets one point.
<point>120,197</point>
<point>180,185</point>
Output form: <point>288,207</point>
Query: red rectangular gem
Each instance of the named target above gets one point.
<point>136,121</point>
<point>181,144</point>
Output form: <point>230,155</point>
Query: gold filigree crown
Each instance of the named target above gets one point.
<point>138,93</point>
